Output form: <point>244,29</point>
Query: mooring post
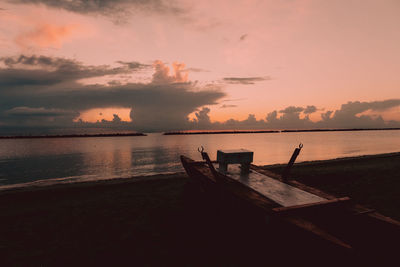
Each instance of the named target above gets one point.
<point>296,152</point>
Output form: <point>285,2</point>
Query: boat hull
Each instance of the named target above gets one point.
<point>351,231</point>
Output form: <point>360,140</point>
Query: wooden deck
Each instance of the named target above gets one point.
<point>283,194</point>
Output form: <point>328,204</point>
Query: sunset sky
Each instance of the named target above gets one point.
<point>154,65</point>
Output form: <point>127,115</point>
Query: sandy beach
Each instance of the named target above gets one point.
<point>157,221</point>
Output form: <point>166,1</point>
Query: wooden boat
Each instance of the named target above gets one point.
<point>330,223</point>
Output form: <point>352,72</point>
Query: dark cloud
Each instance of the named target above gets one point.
<point>133,65</point>
<point>233,100</point>
<point>243,37</point>
<point>310,109</point>
<point>23,117</point>
<point>154,107</point>
<point>116,118</point>
<point>383,105</point>
<point>45,93</point>
<point>116,9</point>
<point>37,61</point>
<point>357,107</point>
<point>245,80</point>
<point>41,112</point>
<point>46,71</point>
<point>68,65</point>
<point>326,115</point>
<point>292,117</point>
<point>196,70</point>
<point>31,87</point>
<point>291,110</point>
<point>350,114</point>
<point>228,106</point>
<point>202,119</point>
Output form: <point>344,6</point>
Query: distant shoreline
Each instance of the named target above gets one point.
<point>193,133</point>
<point>221,132</point>
<point>71,135</point>
<point>279,131</point>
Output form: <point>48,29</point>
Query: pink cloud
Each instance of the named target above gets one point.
<point>46,35</point>
<point>162,73</point>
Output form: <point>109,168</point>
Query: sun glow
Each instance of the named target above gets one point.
<point>98,114</point>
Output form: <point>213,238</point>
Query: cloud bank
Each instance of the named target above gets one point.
<point>40,92</point>
<point>45,91</point>
<point>348,116</point>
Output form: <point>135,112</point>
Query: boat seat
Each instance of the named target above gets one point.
<point>234,156</point>
<point>283,194</point>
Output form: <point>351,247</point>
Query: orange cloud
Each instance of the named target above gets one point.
<point>46,35</point>
<point>161,74</point>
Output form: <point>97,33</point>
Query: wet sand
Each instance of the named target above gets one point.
<point>158,220</point>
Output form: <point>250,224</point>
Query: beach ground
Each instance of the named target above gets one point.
<point>162,220</point>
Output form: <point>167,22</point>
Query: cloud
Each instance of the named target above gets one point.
<point>118,10</point>
<point>326,115</point>
<point>383,105</point>
<point>294,117</point>
<point>357,107</point>
<point>45,35</point>
<point>202,119</point>
<point>26,111</point>
<point>310,109</point>
<point>232,100</point>
<point>32,86</point>
<point>245,80</point>
<point>349,114</point>
<point>45,71</point>
<point>196,70</point>
<point>162,73</point>
<point>291,110</point>
<point>45,92</point>
<point>116,118</point>
<point>228,106</point>
<point>134,65</point>
<point>22,117</point>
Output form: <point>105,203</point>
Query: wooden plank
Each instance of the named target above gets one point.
<point>314,229</point>
<point>356,208</point>
<point>281,193</point>
<point>294,183</point>
<point>298,209</point>
<point>203,173</point>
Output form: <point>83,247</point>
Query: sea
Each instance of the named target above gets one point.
<point>45,161</point>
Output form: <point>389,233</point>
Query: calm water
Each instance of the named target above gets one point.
<point>80,159</point>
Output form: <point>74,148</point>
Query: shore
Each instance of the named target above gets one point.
<point>157,221</point>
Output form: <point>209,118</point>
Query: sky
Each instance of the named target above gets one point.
<point>154,65</point>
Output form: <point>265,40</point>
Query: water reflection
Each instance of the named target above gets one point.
<point>25,160</point>
<point>28,169</point>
